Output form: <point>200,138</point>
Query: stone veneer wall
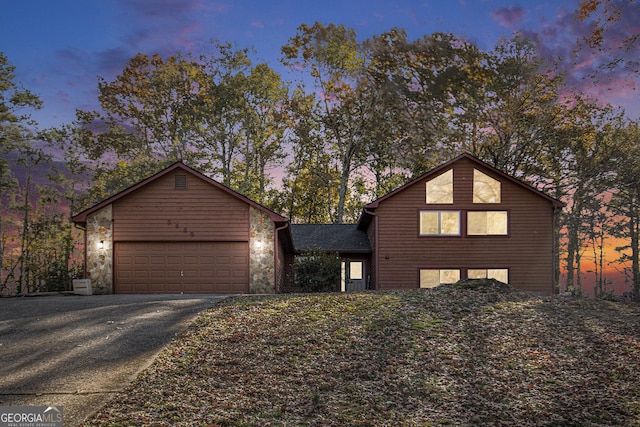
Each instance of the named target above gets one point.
<point>100,260</point>
<point>261,253</point>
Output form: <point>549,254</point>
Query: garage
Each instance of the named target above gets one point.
<point>181,231</point>
<point>175,267</point>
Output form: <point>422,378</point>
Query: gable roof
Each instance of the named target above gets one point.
<point>365,217</point>
<point>81,218</point>
<point>330,237</point>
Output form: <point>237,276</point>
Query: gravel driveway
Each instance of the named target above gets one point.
<point>77,351</point>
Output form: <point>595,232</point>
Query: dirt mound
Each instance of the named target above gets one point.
<point>484,284</point>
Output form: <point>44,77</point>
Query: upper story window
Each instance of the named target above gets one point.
<point>439,223</point>
<point>487,223</point>
<point>440,189</point>
<point>485,188</point>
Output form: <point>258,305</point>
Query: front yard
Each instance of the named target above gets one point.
<point>453,355</point>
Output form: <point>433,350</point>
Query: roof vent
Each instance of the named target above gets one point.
<point>181,182</point>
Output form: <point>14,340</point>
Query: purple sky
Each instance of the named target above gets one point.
<point>60,47</point>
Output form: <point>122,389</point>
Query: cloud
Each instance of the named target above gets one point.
<point>169,26</point>
<point>257,24</point>
<point>509,17</point>
<point>110,62</point>
<point>363,23</point>
<point>69,76</point>
<point>63,97</point>
<point>163,9</point>
<point>561,41</point>
<point>379,17</point>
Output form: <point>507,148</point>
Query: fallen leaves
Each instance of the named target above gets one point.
<point>454,355</point>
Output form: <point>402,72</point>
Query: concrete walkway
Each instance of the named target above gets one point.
<point>77,351</point>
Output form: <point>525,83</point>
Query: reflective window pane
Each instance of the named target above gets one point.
<point>477,274</point>
<point>440,223</point>
<point>485,188</point>
<point>429,278</point>
<point>476,223</point>
<point>450,223</point>
<point>483,223</point>
<point>501,274</point>
<point>429,222</point>
<point>355,270</point>
<point>433,278</point>
<point>449,276</point>
<point>440,188</point>
<point>497,223</point>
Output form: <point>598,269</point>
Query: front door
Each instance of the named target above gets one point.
<point>353,276</point>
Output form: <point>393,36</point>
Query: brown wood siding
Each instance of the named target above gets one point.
<point>175,267</point>
<point>281,269</point>
<point>160,212</point>
<point>371,233</point>
<point>526,251</point>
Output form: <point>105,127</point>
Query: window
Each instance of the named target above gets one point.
<point>433,278</point>
<point>487,223</point>
<point>355,270</point>
<point>440,189</point>
<point>434,223</point>
<point>501,274</point>
<point>485,188</point>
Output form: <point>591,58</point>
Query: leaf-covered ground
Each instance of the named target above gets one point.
<point>455,355</point>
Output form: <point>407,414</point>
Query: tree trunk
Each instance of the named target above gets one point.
<point>24,239</point>
<point>342,194</point>
<point>634,228</point>
<point>556,253</point>
<point>573,244</point>
<point>1,257</point>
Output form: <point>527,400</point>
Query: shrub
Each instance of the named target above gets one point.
<point>317,271</point>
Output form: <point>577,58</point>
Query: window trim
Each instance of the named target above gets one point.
<point>440,212</point>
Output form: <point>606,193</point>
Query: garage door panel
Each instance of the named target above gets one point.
<point>173,288</point>
<point>174,267</point>
<point>140,275</point>
<point>174,260</point>
<point>157,274</point>
<point>223,259</point>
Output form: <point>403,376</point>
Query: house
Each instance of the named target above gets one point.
<point>463,219</point>
<point>347,241</point>
<point>180,231</point>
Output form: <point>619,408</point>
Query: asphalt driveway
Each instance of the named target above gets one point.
<point>77,351</point>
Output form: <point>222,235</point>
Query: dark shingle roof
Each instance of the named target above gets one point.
<point>330,237</point>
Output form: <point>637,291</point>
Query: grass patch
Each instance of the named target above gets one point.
<point>452,355</point>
